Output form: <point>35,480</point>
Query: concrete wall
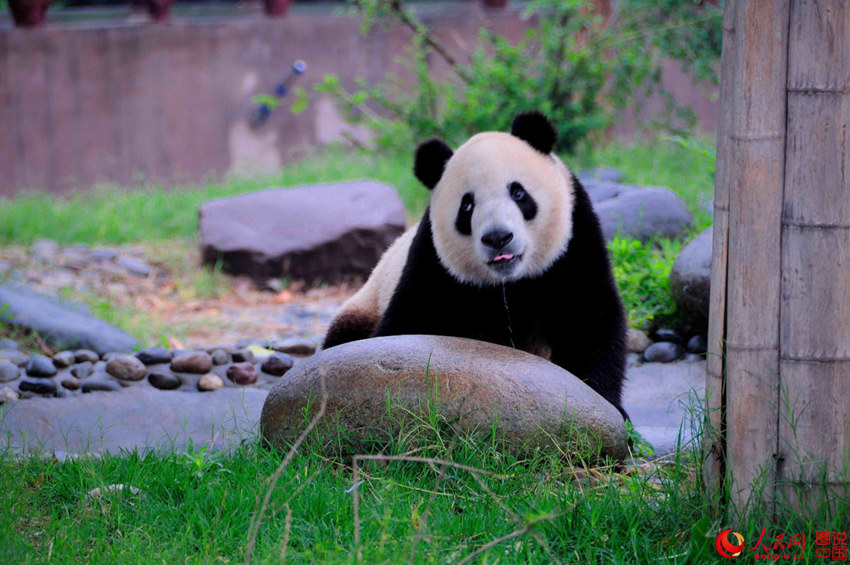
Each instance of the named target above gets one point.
<point>169,103</point>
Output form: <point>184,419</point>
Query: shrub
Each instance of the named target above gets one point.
<point>572,65</point>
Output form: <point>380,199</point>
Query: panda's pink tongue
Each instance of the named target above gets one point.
<point>505,257</point>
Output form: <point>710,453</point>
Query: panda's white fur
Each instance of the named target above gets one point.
<point>373,298</point>
<point>485,166</point>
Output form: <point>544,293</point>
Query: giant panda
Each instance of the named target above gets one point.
<point>509,251</point>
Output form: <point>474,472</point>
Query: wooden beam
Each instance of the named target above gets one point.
<point>814,412</point>
<point>755,185</point>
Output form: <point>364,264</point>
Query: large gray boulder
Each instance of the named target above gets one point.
<point>690,280</point>
<point>321,232</point>
<point>63,324</point>
<point>640,212</point>
<point>475,386</point>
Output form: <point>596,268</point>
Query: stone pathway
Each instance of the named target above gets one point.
<point>658,398</point>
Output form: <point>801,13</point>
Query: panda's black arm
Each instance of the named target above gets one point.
<point>588,336</point>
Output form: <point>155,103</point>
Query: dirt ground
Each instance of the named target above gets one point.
<point>177,301</point>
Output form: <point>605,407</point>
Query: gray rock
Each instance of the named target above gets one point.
<point>530,401</point>
<point>8,371</point>
<point>8,394</point>
<point>226,348</point>
<point>637,341</point>
<point>663,352</point>
<point>5,269</point>
<point>248,342</point>
<point>210,382</point>
<point>633,360</point>
<point>14,357</point>
<point>71,383</point>
<point>277,364</point>
<point>100,384</point>
<point>272,285</point>
<point>220,357</point>
<point>600,174</point>
<point>135,267</point>
<point>82,370</point>
<point>327,232</point>
<point>64,359</point>
<point>109,356</point>
<point>242,373</point>
<point>83,355</point>
<point>163,380</point>
<point>102,254</point>
<point>126,368</point>
<point>45,250</point>
<point>40,366</point>
<point>697,345</point>
<point>62,324</point>
<point>74,257</point>
<point>9,344</point>
<point>640,212</point>
<point>690,280</point>
<point>295,346</point>
<point>154,355</point>
<point>669,335</point>
<point>37,386</point>
<point>243,356</point>
<point>198,362</point>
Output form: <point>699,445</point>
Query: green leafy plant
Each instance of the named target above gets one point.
<point>642,272</point>
<point>266,100</point>
<point>572,65</point>
<point>688,31</point>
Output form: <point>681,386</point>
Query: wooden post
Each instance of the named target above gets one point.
<point>780,312</point>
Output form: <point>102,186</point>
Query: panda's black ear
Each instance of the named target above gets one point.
<point>536,130</point>
<point>431,158</point>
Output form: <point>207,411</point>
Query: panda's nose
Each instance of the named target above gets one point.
<point>497,238</point>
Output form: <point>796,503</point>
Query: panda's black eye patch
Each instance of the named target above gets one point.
<point>463,222</point>
<point>524,201</point>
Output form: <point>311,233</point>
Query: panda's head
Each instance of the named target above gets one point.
<point>501,206</point>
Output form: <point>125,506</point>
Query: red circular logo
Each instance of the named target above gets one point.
<point>725,547</point>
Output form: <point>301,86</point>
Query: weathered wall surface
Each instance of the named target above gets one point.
<point>169,103</point>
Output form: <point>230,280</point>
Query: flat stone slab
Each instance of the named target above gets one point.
<point>62,324</point>
<point>321,232</point>
<point>474,385</point>
<point>640,212</point>
<point>137,418</point>
<point>658,398</point>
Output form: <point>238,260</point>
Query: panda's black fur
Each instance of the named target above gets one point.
<point>571,313</point>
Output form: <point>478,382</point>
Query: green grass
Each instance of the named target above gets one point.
<point>197,506</point>
<point>108,215</point>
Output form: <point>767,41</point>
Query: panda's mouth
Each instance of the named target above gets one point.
<point>504,258</point>
<point>504,263</point>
